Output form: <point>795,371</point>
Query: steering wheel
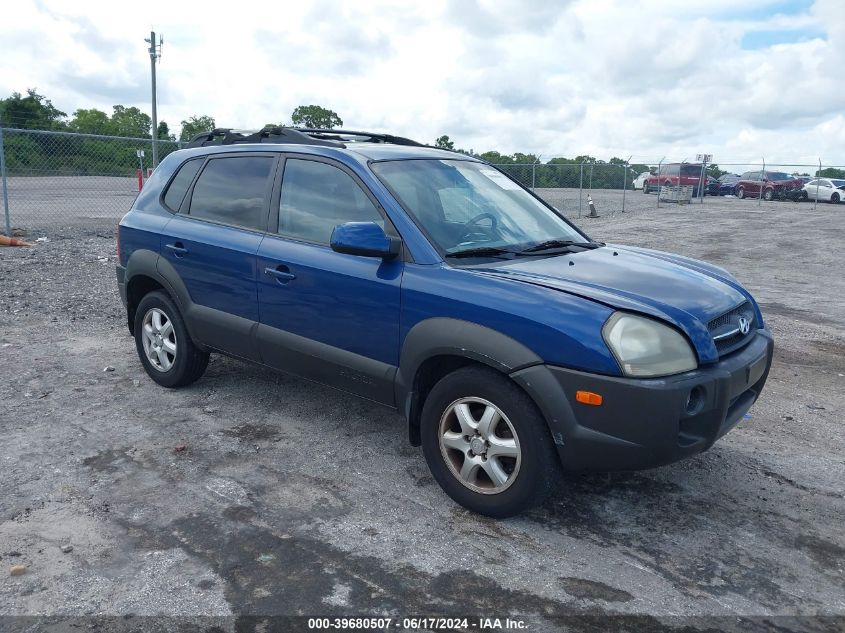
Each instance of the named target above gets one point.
<point>483,216</point>
<point>473,236</point>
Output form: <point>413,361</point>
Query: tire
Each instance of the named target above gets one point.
<point>768,195</point>
<point>166,350</point>
<point>834,198</point>
<point>804,197</point>
<point>740,192</point>
<point>645,188</point>
<point>528,466</point>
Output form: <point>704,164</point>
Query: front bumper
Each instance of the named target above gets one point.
<point>644,423</point>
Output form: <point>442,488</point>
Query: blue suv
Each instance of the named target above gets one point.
<point>427,281</point>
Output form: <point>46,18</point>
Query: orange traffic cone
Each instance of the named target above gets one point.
<point>593,213</point>
<point>11,241</point>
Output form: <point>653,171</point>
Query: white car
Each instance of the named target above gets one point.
<point>828,189</point>
<point>640,180</point>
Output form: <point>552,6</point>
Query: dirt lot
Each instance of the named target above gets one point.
<point>292,499</point>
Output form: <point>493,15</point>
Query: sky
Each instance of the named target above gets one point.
<point>646,78</point>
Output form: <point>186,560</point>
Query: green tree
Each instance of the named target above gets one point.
<point>91,121</point>
<point>714,171</point>
<point>164,132</point>
<point>32,112</point>
<point>444,142</point>
<point>131,122</point>
<point>196,125</point>
<point>830,172</point>
<point>496,158</point>
<point>315,116</point>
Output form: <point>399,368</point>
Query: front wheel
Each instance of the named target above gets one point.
<point>166,350</point>
<point>486,443</point>
<point>768,195</point>
<point>645,187</point>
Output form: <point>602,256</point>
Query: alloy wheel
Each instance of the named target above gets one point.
<point>159,339</point>
<point>479,445</point>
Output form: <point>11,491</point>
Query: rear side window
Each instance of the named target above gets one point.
<point>179,185</point>
<point>316,197</point>
<point>233,190</point>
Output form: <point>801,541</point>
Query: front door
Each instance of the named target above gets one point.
<point>324,315</point>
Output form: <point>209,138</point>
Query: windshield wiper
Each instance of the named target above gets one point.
<point>560,244</point>
<point>481,251</point>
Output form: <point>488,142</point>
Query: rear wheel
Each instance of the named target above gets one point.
<point>740,192</point>
<point>166,350</point>
<point>834,198</point>
<point>768,195</point>
<point>486,443</point>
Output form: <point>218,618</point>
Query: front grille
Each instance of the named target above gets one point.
<point>725,329</point>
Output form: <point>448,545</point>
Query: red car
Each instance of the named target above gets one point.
<point>773,184</point>
<point>674,174</point>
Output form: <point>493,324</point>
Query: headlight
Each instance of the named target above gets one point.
<point>645,347</point>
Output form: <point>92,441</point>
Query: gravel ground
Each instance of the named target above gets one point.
<point>253,493</point>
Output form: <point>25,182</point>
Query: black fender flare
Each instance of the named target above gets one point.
<point>147,263</point>
<point>444,336</point>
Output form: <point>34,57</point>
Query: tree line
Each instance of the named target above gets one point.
<point>87,155</point>
<point>35,153</point>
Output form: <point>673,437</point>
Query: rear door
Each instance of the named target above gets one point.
<point>212,244</point>
<point>327,316</point>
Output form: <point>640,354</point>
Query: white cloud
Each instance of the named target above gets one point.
<point>568,77</point>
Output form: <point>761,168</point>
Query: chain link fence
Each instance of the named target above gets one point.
<point>570,186</point>
<point>54,182</point>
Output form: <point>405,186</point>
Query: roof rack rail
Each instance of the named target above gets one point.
<point>275,134</point>
<point>353,135</point>
<point>296,136</point>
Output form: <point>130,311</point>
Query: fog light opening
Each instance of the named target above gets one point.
<point>695,401</point>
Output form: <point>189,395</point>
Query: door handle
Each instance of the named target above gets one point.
<point>281,273</point>
<point>178,249</point>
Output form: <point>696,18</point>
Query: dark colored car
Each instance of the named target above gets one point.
<point>771,185</point>
<point>727,184</point>
<point>675,174</point>
<point>713,186</point>
<point>431,283</point>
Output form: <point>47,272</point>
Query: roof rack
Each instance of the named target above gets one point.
<point>297,136</point>
<point>278,134</point>
<point>352,135</point>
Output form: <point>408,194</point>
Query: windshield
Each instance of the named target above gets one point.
<point>691,170</point>
<point>778,175</point>
<point>838,183</point>
<point>464,205</point>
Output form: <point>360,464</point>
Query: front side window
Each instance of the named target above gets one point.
<point>316,197</point>
<point>234,190</point>
<point>464,205</point>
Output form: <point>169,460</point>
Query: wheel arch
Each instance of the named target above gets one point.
<point>147,271</point>
<point>438,346</point>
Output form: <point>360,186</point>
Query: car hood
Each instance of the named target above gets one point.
<point>685,292</point>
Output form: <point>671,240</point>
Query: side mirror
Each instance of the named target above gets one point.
<point>367,239</point>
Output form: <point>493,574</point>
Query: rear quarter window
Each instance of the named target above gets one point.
<point>178,187</point>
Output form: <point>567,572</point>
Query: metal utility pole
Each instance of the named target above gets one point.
<point>155,54</point>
